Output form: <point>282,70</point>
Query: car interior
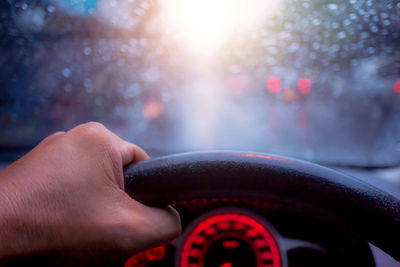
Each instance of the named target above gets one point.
<point>273,126</point>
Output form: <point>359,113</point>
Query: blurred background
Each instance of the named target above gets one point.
<point>318,80</point>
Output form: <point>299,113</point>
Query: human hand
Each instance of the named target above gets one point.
<point>64,201</point>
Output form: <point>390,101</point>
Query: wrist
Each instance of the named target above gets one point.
<point>19,224</point>
<point>11,233</point>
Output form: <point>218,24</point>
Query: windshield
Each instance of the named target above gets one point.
<point>318,80</point>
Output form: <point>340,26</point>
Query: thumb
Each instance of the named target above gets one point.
<point>149,227</point>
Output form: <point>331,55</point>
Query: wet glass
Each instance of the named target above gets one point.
<point>318,80</point>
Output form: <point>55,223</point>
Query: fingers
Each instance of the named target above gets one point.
<point>150,227</point>
<point>131,153</point>
<point>97,133</point>
<point>139,226</point>
<point>165,226</point>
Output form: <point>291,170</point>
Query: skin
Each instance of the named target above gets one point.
<point>64,203</point>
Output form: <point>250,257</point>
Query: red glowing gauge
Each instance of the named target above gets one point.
<point>143,258</point>
<point>230,239</point>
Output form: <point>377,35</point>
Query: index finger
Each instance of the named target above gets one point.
<point>131,153</point>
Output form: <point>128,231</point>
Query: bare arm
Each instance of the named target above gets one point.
<point>65,200</point>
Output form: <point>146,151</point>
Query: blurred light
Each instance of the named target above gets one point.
<point>77,6</point>
<point>157,253</point>
<point>141,259</point>
<point>304,85</point>
<point>153,109</point>
<point>204,25</point>
<point>254,230</point>
<point>210,231</point>
<point>230,244</point>
<point>203,103</point>
<point>235,84</point>
<point>274,84</point>
<point>223,225</point>
<point>290,95</point>
<point>226,264</point>
<point>396,87</point>
<point>303,119</point>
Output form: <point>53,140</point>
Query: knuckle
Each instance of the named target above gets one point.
<point>53,137</point>
<point>92,131</point>
<point>93,137</point>
<point>92,126</point>
<point>58,133</point>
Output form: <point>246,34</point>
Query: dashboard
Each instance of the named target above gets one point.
<point>234,232</point>
<point>222,237</point>
<point>240,231</point>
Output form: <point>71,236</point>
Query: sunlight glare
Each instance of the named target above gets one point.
<point>204,25</point>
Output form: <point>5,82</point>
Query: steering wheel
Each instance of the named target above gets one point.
<point>373,214</point>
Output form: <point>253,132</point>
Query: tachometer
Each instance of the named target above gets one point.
<point>144,258</point>
<point>230,239</point>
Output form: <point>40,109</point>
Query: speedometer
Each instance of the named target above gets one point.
<point>229,239</point>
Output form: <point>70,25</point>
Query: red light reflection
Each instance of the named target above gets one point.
<point>274,84</point>
<point>396,87</point>
<point>230,244</point>
<point>264,157</point>
<point>143,258</point>
<point>304,85</point>
<point>235,85</point>
<point>153,109</point>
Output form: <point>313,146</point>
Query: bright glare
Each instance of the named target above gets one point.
<point>204,25</point>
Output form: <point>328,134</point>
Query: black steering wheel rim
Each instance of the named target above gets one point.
<point>189,176</point>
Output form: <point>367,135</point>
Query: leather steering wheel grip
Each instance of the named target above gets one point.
<point>189,176</point>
